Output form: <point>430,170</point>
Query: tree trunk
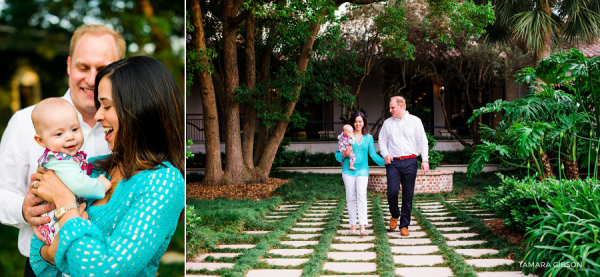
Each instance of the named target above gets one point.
<point>234,166</point>
<point>250,112</point>
<point>547,165</point>
<point>571,168</point>
<point>268,156</point>
<point>213,173</point>
<point>546,35</point>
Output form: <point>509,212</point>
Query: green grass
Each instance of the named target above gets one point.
<point>12,263</point>
<point>224,219</point>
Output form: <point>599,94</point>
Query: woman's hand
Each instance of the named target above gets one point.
<point>51,188</point>
<point>48,252</point>
<point>348,151</point>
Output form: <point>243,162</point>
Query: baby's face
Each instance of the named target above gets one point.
<point>349,132</point>
<point>61,132</point>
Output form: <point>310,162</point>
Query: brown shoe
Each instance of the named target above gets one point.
<point>393,223</point>
<point>404,232</point>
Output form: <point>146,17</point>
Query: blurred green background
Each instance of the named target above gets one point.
<point>34,46</point>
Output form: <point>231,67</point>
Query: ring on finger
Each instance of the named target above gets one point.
<point>34,184</point>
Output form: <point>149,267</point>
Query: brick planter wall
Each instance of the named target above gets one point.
<point>433,182</point>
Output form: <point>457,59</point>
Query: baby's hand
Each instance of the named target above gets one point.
<point>106,182</point>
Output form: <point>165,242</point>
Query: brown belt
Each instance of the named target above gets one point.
<point>405,157</point>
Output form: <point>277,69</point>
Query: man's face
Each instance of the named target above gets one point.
<point>395,108</point>
<point>92,53</point>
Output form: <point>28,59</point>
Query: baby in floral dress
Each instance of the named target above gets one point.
<point>58,130</point>
<point>347,138</point>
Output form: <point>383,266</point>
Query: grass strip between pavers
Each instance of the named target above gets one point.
<point>506,248</point>
<point>385,259</point>
<point>451,258</point>
<point>251,258</point>
<point>314,266</point>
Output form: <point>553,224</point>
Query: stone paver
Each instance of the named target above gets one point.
<point>275,216</point>
<point>410,234</point>
<point>350,267</point>
<point>424,271</point>
<point>488,262</point>
<point>415,249</point>
<point>427,203</point>
<point>458,236</point>
<point>445,223</point>
<point>441,218</point>
<point>347,226</point>
<point>449,229</point>
<point>476,252</point>
<point>217,256</point>
<point>303,236</point>
<point>357,232</point>
<point>352,246</point>
<point>482,214</point>
<point>409,241</point>
<point>236,246</point>
<point>285,262</point>
<point>315,215</point>
<point>355,238</point>
<point>299,243</point>
<point>291,252</point>
<point>464,242</point>
<point>310,223</point>
<point>312,219</point>
<point>504,274</point>
<point>436,213</point>
<point>473,211</point>
<point>352,256</point>
<point>274,273</point>
<point>307,230</point>
<point>256,232</point>
<point>208,266</point>
<point>418,259</point>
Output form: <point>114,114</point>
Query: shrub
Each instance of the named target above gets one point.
<point>567,232</point>
<point>518,201</point>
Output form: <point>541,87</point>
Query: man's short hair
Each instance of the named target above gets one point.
<point>98,30</point>
<point>399,100</point>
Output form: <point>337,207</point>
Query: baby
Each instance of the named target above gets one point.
<point>347,138</point>
<point>57,129</point>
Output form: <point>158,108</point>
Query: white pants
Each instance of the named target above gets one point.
<point>356,189</point>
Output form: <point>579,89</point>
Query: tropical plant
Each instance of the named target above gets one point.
<point>518,200</point>
<point>566,234</point>
<point>536,24</point>
<point>556,121</point>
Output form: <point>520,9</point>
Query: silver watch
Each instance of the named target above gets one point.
<point>60,212</point>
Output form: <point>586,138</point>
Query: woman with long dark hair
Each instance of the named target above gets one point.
<point>356,180</point>
<point>126,233</point>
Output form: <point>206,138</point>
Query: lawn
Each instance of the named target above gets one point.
<point>223,220</point>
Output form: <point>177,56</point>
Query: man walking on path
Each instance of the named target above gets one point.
<point>401,139</point>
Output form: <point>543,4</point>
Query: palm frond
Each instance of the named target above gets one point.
<point>583,25</point>
<point>532,25</point>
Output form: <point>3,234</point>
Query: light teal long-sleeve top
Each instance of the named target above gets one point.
<point>76,179</point>
<point>126,236</point>
<point>362,150</point>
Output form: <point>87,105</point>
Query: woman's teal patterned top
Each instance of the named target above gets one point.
<point>362,150</point>
<point>125,237</point>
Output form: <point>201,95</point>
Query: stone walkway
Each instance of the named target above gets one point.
<point>414,255</point>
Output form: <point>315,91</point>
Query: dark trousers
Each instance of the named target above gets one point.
<point>28,270</point>
<point>401,172</point>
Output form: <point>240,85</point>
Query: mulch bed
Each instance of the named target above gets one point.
<point>256,191</point>
<point>497,226</point>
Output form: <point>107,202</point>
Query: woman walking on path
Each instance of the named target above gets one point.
<point>356,180</point>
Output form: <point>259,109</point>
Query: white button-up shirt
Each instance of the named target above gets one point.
<point>403,137</point>
<point>19,154</point>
